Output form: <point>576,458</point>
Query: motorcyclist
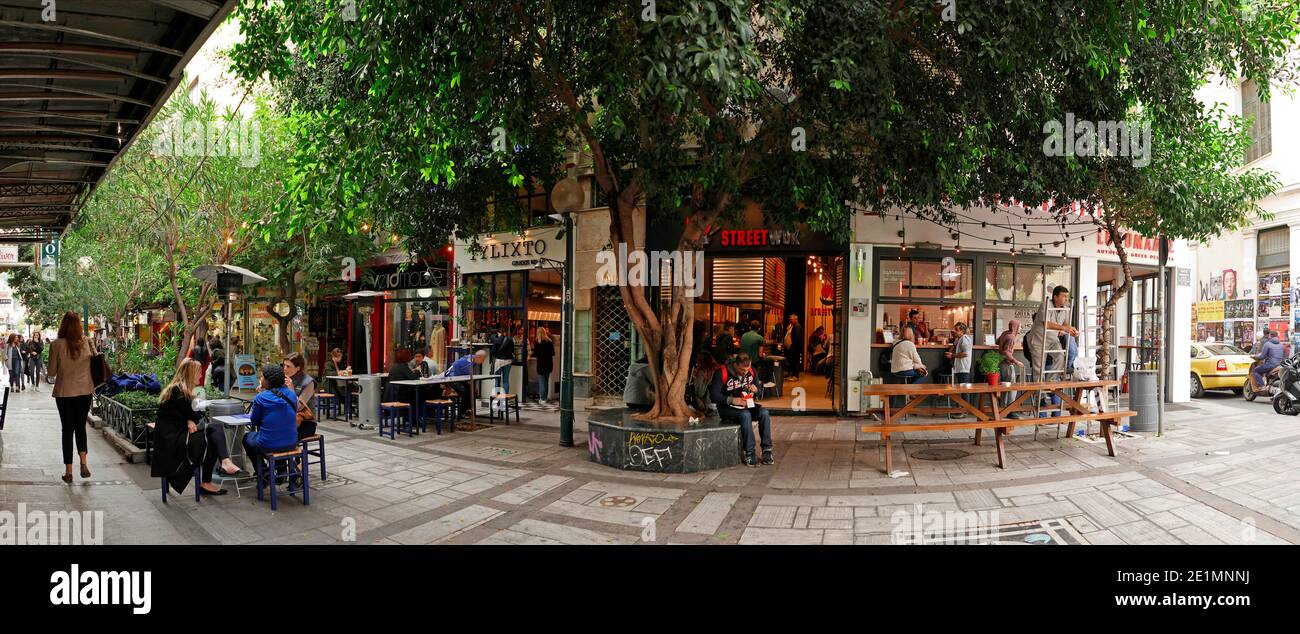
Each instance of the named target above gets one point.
<point>1270,355</point>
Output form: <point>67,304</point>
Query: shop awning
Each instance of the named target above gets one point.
<point>79,79</point>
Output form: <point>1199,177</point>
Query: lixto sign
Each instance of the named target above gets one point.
<point>510,251</point>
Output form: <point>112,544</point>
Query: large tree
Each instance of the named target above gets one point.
<point>811,108</point>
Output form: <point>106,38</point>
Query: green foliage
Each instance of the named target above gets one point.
<point>138,358</point>
<point>136,400</point>
<point>991,362</point>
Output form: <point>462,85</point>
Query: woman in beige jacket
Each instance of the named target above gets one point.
<point>73,388</point>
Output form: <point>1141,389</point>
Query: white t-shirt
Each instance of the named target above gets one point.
<point>962,364</point>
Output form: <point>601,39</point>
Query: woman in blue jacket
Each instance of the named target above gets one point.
<point>275,416</point>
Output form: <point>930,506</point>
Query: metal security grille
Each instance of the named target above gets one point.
<point>612,332</point>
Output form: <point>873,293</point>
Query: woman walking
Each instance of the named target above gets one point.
<point>14,361</point>
<point>70,368</point>
<point>544,352</point>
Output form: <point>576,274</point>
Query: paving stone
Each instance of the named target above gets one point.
<point>448,526</point>
<point>709,514</point>
<point>1104,509</point>
<point>782,536</point>
<point>532,489</point>
<point>773,516</point>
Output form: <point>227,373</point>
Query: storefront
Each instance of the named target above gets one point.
<point>979,272</point>
<point>412,314</point>
<point>512,281</point>
<point>1244,287</point>
<point>756,273</point>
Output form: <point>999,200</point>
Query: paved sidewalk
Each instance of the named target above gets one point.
<point>1219,475</point>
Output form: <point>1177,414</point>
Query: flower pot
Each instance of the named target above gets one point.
<point>993,378</point>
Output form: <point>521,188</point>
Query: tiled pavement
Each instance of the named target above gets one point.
<point>1219,475</point>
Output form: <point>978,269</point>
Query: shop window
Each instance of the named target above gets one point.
<point>1000,282</point>
<point>894,278</point>
<point>938,320</point>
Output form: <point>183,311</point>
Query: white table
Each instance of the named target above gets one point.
<point>236,426</point>
<point>473,380</point>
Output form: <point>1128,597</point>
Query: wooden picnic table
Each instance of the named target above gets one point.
<point>987,411</point>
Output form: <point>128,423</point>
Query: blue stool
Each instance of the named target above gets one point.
<point>440,410</point>
<point>197,481</point>
<point>396,417</point>
<point>319,451</point>
<point>327,403</point>
<point>266,475</point>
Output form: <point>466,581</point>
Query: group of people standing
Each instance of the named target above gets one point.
<point>24,359</point>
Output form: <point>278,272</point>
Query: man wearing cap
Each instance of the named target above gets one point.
<point>274,415</point>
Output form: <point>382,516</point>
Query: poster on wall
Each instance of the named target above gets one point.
<point>1229,284</point>
<point>246,371</point>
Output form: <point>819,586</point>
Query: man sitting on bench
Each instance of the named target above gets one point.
<point>733,387</point>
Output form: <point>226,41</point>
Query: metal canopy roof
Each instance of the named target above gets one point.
<point>76,90</point>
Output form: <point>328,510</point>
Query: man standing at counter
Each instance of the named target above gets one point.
<point>960,354</point>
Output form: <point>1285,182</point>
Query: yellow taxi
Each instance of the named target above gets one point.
<point>1218,366</point>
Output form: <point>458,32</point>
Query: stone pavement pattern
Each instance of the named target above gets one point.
<point>1221,474</point>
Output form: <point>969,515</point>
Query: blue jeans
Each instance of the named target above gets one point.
<point>745,418</point>
<point>961,377</point>
<point>543,386</point>
<point>1260,372</point>
<point>917,377</point>
<point>504,373</point>
<point>1072,347</point>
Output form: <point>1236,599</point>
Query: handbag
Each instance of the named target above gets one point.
<point>303,414</point>
<point>100,373</point>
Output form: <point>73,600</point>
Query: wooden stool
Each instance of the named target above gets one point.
<point>439,410</point>
<point>197,481</point>
<point>396,416</point>
<point>328,403</point>
<point>511,402</point>
<point>319,451</point>
<point>270,462</point>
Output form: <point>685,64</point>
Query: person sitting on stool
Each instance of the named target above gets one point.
<point>274,414</point>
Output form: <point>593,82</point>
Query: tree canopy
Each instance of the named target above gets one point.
<point>440,111</point>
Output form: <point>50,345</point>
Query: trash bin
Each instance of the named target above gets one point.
<point>1142,398</point>
<point>369,397</point>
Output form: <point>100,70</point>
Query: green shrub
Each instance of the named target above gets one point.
<point>991,362</point>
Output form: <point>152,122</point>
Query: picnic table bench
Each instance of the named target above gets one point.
<point>986,410</point>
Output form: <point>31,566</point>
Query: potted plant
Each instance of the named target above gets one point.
<point>990,364</point>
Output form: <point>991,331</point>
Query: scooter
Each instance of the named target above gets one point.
<point>1287,399</point>
<point>1250,389</point>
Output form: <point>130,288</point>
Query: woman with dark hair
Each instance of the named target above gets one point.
<point>401,370</point>
<point>14,361</point>
<point>200,353</point>
<point>73,388</point>
<point>305,387</point>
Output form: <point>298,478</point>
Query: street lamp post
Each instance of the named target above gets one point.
<point>566,346</point>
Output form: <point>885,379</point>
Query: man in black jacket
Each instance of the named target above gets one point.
<point>732,389</point>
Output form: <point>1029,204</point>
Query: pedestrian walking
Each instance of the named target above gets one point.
<point>73,388</point>
<point>14,361</point>
<point>200,353</point>
<point>35,359</point>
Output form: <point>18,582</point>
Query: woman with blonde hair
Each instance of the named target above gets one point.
<point>178,442</point>
<point>544,352</point>
<point>73,388</point>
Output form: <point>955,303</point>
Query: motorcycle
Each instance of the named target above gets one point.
<point>1287,399</point>
<point>1250,390</point>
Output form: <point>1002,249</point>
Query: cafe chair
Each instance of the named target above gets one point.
<point>295,465</point>
<point>508,402</point>
<point>327,403</point>
<point>439,410</point>
<point>198,480</point>
<point>318,452</point>
<point>395,416</point>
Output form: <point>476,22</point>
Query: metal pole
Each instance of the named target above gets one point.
<point>1161,303</point>
<point>566,374</point>
<point>230,354</point>
<point>85,319</point>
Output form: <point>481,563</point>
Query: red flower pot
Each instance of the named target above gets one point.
<point>993,378</point>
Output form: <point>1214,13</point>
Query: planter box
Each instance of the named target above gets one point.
<point>129,423</point>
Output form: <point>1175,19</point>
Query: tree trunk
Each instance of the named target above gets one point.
<point>1108,311</point>
<point>290,297</point>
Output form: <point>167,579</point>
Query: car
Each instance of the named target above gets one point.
<point>1218,366</point>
